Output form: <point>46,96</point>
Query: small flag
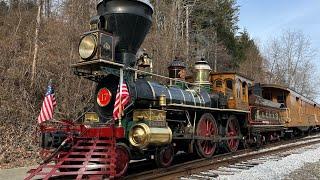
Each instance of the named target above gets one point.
<point>122,99</point>
<point>48,105</point>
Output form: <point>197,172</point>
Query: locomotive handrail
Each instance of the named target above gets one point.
<point>161,76</point>
<point>85,65</point>
<point>83,114</point>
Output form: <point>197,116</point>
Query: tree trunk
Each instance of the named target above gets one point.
<point>187,31</point>
<point>36,43</point>
<point>47,8</point>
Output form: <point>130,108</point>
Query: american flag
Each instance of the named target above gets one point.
<point>48,105</point>
<point>122,99</point>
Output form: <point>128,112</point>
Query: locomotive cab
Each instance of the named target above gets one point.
<point>233,85</point>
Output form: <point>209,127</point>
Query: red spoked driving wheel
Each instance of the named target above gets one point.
<point>206,128</point>
<point>233,132</point>
<point>122,159</point>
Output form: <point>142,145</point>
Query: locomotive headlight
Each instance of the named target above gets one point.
<point>87,47</point>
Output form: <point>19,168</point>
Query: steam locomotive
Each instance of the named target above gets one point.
<point>160,119</point>
<point>192,114</point>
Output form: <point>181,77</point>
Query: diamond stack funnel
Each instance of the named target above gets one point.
<point>129,21</point>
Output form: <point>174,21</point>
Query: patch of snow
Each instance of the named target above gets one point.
<point>278,169</point>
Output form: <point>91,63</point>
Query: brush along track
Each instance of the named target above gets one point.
<point>199,165</point>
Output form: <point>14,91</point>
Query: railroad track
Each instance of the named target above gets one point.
<point>240,160</point>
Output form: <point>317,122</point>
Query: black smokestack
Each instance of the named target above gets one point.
<point>129,21</point>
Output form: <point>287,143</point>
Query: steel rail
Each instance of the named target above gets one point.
<point>196,166</point>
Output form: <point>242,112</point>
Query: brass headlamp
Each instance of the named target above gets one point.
<point>96,45</point>
<point>88,46</point>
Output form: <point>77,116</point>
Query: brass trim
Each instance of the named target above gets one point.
<point>194,100</point>
<point>90,117</point>
<point>201,100</point>
<point>170,95</point>
<point>152,136</point>
<point>162,100</point>
<point>184,97</point>
<point>146,139</point>
<point>152,89</point>
<point>149,115</point>
<point>95,43</point>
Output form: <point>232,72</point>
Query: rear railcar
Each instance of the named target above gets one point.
<point>299,114</point>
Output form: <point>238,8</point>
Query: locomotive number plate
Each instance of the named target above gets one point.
<point>157,123</point>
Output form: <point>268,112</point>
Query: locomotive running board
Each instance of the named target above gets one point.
<point>96,63</point>
<point>206,108</point>
<point>88,158</point>
<point>95,70</point>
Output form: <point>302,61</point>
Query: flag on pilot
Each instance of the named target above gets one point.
<point>48,105</point>
<point>122,99</point>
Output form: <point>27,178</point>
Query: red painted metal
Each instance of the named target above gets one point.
<point>122,160</point>
<point>89,156</point>
<point>232,131</point>
<point>164,156</point>
<point>92,155</point>
<point>206,127</point>
<point>119,133</point>
<point>104,97</point>
<point>87,131</point>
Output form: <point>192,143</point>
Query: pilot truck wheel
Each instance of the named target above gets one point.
<point>122,159</point>
<point>164,156</point>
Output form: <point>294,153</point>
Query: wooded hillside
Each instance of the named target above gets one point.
<point>39,40</point>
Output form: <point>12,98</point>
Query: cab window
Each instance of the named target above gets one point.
<point>229,84</point>
<point>218,83</point>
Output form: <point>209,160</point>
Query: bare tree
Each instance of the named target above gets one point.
<point>289,62</point>
<point>56,41</point>
<point>188,4</point>
<point>36,42</point>
<point>47,8</point>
